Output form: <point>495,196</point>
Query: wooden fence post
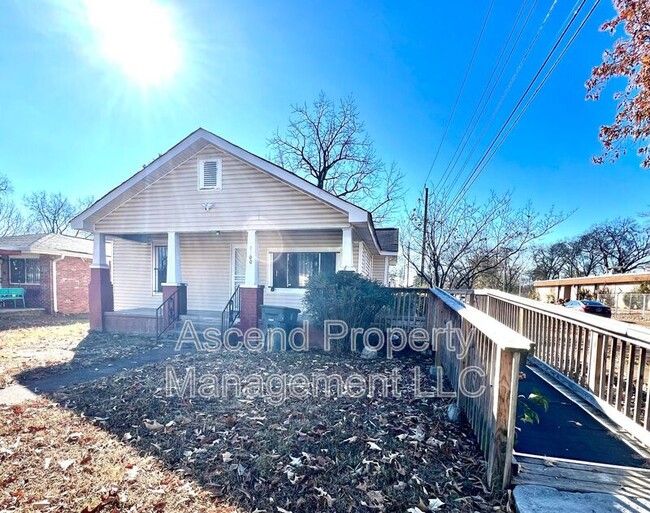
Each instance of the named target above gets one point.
<point>504,411</point>
<point>596,354</point>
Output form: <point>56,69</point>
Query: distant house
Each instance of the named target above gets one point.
<point>569,288</point>
<point>208,221</point>
<point>53,269</point>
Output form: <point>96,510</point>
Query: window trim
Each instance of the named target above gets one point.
<point>200,175</point>
<point>271,260</point>
<point>25,258</point>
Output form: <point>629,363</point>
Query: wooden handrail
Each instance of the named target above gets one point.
<point>492,356</point>
<point>608,359</point>
<point>609,326</point>
<point>503,336</point>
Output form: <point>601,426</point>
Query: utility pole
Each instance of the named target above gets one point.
<point>408,263</point>
<point>424,231</point>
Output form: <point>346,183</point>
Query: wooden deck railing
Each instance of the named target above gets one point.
<point>492,360</point>
<point>407,311</point>
<point>607,358</point>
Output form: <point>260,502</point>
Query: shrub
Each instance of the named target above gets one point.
<point>345,296</point>
<point>634,299</point>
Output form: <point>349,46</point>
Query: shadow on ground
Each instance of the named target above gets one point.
<point>247,437</point>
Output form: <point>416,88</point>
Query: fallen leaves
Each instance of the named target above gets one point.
<point>371,454</point>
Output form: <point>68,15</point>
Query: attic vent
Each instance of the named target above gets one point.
<point>209,174</point>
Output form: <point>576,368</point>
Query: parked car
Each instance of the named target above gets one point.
<point>592,307</point>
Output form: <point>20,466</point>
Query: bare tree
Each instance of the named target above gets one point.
<point>472,240</point>
<point>52,212</point>
<point>328,145</point>
<point>623,244</point>
<point>549,261</point>
<point>582,256</point>
<point>12,221</point>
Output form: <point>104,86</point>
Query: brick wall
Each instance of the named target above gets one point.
<point>36,296</point>
<point>4,271</point>
<point>73,278</point>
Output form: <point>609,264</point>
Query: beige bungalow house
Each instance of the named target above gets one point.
<point>208,220</point>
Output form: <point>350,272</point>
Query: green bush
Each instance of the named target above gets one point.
<point>345,296</point>
<point>634,299</point>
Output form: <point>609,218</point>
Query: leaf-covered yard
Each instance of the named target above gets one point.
<point>123,443</point>
<point>47,344</point>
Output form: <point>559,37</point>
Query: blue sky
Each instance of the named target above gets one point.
<point>73,120</point>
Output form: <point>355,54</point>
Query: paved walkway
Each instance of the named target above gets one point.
<point>27,388</point>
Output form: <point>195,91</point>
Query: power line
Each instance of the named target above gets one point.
<point>462,87</point>
<point>478,169</point>
<point>461,146</point>
<point>505,93</point>
<point>536,92</point>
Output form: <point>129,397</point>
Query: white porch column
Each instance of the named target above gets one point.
<point>99,251</point>
<point>347,260</point>
<point>174,276</point>
<point>252,260</point>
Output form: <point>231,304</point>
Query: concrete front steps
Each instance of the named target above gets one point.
<point>199,323</point>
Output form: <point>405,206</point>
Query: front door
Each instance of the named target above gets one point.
<point>238,267</point>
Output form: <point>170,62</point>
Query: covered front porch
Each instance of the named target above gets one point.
<point>204,271</point>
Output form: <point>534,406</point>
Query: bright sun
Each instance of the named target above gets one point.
<point>138,36</point>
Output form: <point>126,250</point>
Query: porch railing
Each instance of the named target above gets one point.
<point>609,360</point>
<point>167,314</point>
<point>233,308</point>
<point>408,309</point>
<point>481,358</point>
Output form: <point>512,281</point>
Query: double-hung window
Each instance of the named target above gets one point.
<point>293,270</point>
<point>24,271</point>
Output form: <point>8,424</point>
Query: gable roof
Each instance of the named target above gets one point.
<point>191,145</point>
<point>48,244</point>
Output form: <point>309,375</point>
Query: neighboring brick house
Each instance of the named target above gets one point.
<point>53,269</point>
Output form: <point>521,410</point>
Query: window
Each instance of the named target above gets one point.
<point>209,174</point>
<point>24,271</point>
<point>159,267</point>
<point>293,270</point>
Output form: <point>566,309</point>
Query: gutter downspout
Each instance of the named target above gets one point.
<point>55,292</point>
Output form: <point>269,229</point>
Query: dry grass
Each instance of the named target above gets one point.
<point>53,460</point>
<point>39,341</point>
<point>122,444</point>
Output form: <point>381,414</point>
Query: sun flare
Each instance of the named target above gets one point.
<point>137,36</point>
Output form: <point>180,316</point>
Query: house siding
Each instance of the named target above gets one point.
<point>133,275</point>
<point>249,199</point>
<point>207,269</point>
<point>378,268</point>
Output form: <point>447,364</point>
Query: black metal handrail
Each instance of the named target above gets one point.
<point>231,313</point>
<point>167,314</point>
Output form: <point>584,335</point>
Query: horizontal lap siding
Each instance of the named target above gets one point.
<point>250,199</point>
<point>378,267</point>
<point>206,268</point>
<point>133,276</point>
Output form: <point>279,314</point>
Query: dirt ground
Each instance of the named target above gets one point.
<point>244,438</point>
<point>57,342</point>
